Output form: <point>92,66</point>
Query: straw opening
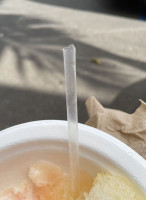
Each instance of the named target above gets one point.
<point>71,47</point>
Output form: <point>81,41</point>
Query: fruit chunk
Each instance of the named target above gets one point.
<point>28,193</point>
<point>58,191</point>
<point>9,195</point>
<point>112,187</point>
<point>50,182</point>
<point>44,173</point>
<point>20,193</point>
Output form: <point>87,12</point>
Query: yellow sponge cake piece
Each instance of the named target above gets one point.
<point>113,187</point>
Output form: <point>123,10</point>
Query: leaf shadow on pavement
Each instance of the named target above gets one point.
<point>39,42</point>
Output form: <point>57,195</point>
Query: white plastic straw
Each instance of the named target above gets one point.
<point>69,54</point>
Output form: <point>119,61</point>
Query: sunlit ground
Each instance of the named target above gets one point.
<point>32,35</point>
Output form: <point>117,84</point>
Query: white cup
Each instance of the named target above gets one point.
<point>97,147</point>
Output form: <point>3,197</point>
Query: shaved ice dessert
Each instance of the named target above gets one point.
<point>47,181</point>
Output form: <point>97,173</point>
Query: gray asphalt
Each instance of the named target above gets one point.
<point>32,35</point>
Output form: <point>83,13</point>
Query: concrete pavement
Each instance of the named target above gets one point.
<point>32,35</point>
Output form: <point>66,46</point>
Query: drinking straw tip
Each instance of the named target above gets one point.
<point>69,47</point>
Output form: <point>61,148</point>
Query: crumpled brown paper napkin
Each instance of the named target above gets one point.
<point>129,128</point>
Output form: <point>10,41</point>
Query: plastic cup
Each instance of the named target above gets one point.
<point>97,150</point>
